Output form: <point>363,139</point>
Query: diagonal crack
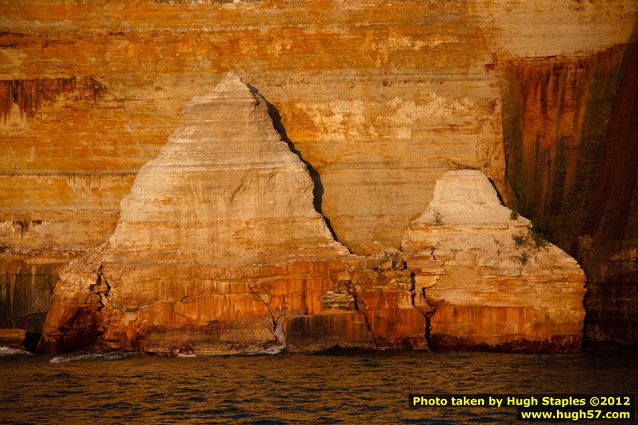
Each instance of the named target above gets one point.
<point>277,330</point>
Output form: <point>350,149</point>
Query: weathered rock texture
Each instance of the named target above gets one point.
<point>224,189</point>
<point>492,281</point>
<point>570,129</point>
<point>219,250</point>
<point>12,338</point>
<point>380,98</point>
<point>26,287</point>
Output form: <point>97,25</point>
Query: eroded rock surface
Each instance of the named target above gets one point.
<point>26,287</point>
<point>220,250</point>
<point>494,282</point>
<point>381,98</point>
<point>224,188</point>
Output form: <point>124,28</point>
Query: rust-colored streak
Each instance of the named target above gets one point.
<point>29,95</point>
<point>613,290</point>
<point>617,181</point>
<point>571,143</point>
<point>547,110</point>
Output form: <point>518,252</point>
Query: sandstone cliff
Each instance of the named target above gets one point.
<point>380,98</point>
<point>225,188</point>
<point>219,250</point>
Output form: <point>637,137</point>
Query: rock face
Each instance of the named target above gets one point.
<point>12,338</point>
<point>493,281</point>
<point>26,287</point>
<point>380,104</point>
<point>380,98</point>
<point>571,126</point>
<point>220,250</point>
<point>225,188</point>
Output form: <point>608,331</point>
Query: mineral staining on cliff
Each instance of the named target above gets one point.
<point>493,282</point>
<point>219,250</point>
<point>29,94</point>
<point>555,111</point>
<point>570,126</point>
<point>26,286</point>
<point>381,98</point>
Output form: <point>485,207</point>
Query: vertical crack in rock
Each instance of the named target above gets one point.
<point>426,314</point>
<point>101,288</point>
<point>359,305</point>
<point>428,329</point>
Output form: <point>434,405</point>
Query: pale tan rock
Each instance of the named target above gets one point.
<point>543,28</point>
<point>497,289</point>
<point>224,188</point>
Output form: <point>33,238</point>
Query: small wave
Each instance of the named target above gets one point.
<point>270,351</point>
<point>116,355</point>
<point>6,351</point>
<point>186,356</point>
<point>273,350</point>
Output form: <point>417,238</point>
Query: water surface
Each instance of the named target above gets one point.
<point>288,389</point>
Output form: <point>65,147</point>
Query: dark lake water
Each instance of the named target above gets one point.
<point>355,388</point>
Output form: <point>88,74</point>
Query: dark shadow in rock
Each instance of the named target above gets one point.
<point>31,340</point>
<point>498,194</point>
<point>314,175</point>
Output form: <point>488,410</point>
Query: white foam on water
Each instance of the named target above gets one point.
<point>186,356</point>
<point>270,351</point>
<point>6,351</point>
<point>116,355</point>
<point>273,350</point>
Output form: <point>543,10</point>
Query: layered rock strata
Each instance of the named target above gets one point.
<point>12,338</point>
<point>219,250</point>
<point>493,281</point>
<point>381,98</point>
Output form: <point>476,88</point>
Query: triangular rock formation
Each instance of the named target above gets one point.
<point>219,250</point>
<point>465,197</point>
<point>225,188</point>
